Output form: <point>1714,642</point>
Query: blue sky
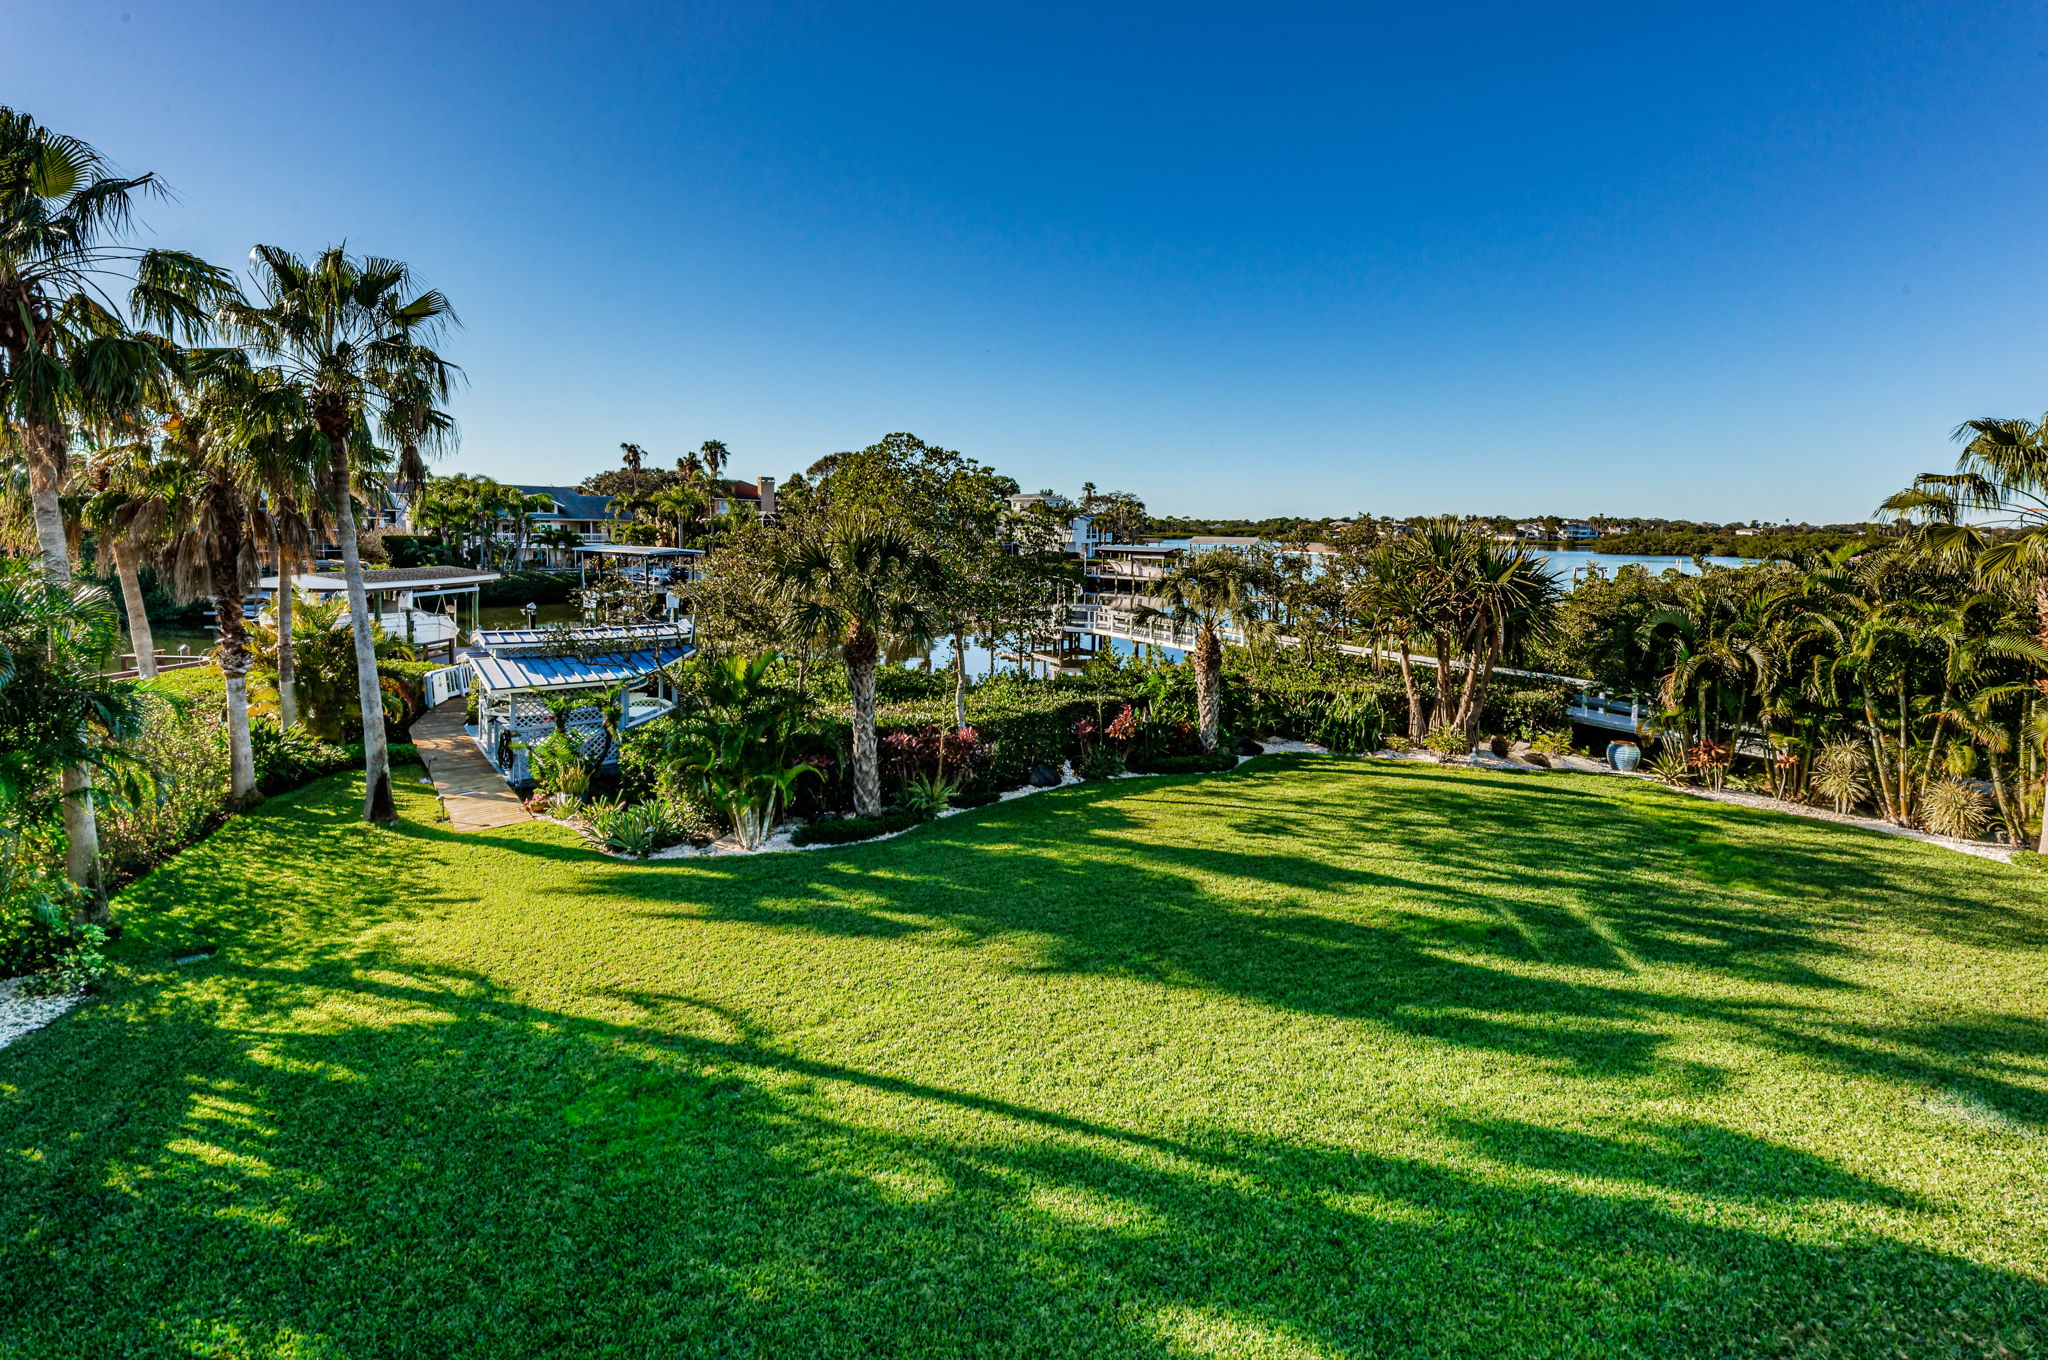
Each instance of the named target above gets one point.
<point>1716,261</point>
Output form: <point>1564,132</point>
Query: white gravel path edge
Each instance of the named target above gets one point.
<point>21,1015</point>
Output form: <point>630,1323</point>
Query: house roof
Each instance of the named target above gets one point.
<point>386,578</point>
<point>741,491</point>
<point>499,673</point>
<point>575,504</point>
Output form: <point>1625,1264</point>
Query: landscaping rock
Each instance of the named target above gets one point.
<point>1044,777</point>
<point>1247,747</point>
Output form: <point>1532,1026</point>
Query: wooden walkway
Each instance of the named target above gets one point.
<point>471,791</point>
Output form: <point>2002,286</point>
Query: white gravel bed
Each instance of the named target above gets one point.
<point>1740,798</point>
<point>21,1015</point>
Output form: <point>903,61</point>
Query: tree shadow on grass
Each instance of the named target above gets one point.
<point>1513,924</point>
<point>441,1171</point>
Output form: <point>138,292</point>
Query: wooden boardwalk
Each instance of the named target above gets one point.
<point>471,791</point>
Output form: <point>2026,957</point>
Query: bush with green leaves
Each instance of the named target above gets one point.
<point>1101,763</point>
<point>846,830</point>
<point>556,764</point>
<point>927,794</point>
<point>1448,742</point>
<point>1352,721</point>
<point>285,760</point>
<point>633,829</point>
<point>1552,741</point>
<point>727,743</point>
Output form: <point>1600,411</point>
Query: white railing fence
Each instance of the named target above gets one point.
<point>445,684</point>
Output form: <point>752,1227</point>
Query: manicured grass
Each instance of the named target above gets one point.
<point>1322,1058</point>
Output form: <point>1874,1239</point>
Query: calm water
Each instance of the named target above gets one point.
<point>1570,566</point>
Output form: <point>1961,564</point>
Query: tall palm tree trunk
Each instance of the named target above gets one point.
<point>959,680</point>
<point>287,647</point>
<point>2041,636</point>
<point>140,638</point>
<point>377,804</point>
<point>234,669</point>
<point>1417,728</point>
<point>1208,684</point>
<point>1446,702</point>
<point>81,822</point>
<point>860,654</point>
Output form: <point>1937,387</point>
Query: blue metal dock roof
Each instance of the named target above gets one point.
<point>499,673</point>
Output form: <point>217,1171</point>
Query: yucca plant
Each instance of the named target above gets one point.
<point>1953,808</point>
<point>1840,773</point>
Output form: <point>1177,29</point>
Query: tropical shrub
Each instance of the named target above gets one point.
<point>1670,766</point>
<point>556,764</point>
<point>1449,742</point>
<point>287,759</point>
<point>727,748</point>
<point>1352,721</point>
<point>324,669</point>
<point>1527,711</point>
<point>76,968</point>
<point>927,795</point>
<point>636,829</point>
<point>1555,741</point>
<point>1101,763</point>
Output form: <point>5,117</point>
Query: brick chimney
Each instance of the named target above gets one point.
<point>767,485</point>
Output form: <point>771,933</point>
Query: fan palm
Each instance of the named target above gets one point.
<point>853,579</point>
<point>353,338</point>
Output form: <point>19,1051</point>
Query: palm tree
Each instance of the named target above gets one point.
<point>559,536</point>
<point>218,520</point>
<point>126,517</point>
<point>853,579</point>
<point>520,507</point>
<point>1208,590</point>
<point>66,355</point>
<point>714,455</point>
<point>58,709</point>
<point>682,502</point>
<point>354,339</point>
<point>1992,511</point>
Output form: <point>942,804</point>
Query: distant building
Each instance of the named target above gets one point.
<point>1576,530</point>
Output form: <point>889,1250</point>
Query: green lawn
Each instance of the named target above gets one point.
<point>1323,1058</point>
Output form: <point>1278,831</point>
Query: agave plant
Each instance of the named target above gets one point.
<point>1670,766</point>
